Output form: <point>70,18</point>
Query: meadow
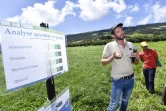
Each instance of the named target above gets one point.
<point>89,83</point>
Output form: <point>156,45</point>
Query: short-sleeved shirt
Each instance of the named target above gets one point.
<point>148,58</point>
<point>120,67</point>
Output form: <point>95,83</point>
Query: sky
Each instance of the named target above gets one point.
<point>79,16</point>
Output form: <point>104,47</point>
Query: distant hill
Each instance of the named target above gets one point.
<point>152,32</point>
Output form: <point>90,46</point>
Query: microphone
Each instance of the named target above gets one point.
<point>134,50</point>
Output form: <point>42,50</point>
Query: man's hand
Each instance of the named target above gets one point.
<point>118,56</point>
<point>136,55</point>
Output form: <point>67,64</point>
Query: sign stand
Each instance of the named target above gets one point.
<point>50,81</point>
<point>50,88</point>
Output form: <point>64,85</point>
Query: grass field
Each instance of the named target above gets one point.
<point>89,84</point>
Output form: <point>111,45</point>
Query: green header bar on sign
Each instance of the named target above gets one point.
<point>14,24</point>
<point>47,30</point>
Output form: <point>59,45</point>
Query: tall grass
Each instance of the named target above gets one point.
<point>90,84</point>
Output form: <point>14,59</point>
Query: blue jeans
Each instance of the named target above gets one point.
<point>120,87</point>
<point>149,75</point>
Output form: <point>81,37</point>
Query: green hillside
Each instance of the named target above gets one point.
<point>148,32</point>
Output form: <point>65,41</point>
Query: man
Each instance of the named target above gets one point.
<point>149,58</point>
<point>119,53</point>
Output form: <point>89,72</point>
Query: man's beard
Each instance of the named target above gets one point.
<point>120,38</point>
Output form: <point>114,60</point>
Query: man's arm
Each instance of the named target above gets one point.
<point>156,59</point>
<point>106,61</point>
<point>136,60</point>
<point>140,57</point>
<point>141,60</point>
<point>156,56</point>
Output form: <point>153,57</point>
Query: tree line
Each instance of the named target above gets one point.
<point>150,32</point>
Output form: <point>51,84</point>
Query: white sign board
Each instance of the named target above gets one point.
<point>31,55</point>
<point>62,103</point>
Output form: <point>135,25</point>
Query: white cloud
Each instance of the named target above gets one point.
<point>95,9</point>
<point>117,6</point>
<point>119,16</point>
<point>44,13</point>
<point>128,20</point>
<point>159,12</point>
<point>146,6</point>
<point>135,8</point>
<point>130,7</point>
<point>145,20</point>
<point>89,10</point>
<point>125,14</point>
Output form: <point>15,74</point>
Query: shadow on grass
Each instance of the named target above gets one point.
<point>159,93</point>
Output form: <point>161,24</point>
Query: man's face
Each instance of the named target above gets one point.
<point>144,47</point>
<point>119,33</point>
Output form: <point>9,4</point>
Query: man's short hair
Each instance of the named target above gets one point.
<point>114,27</point>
